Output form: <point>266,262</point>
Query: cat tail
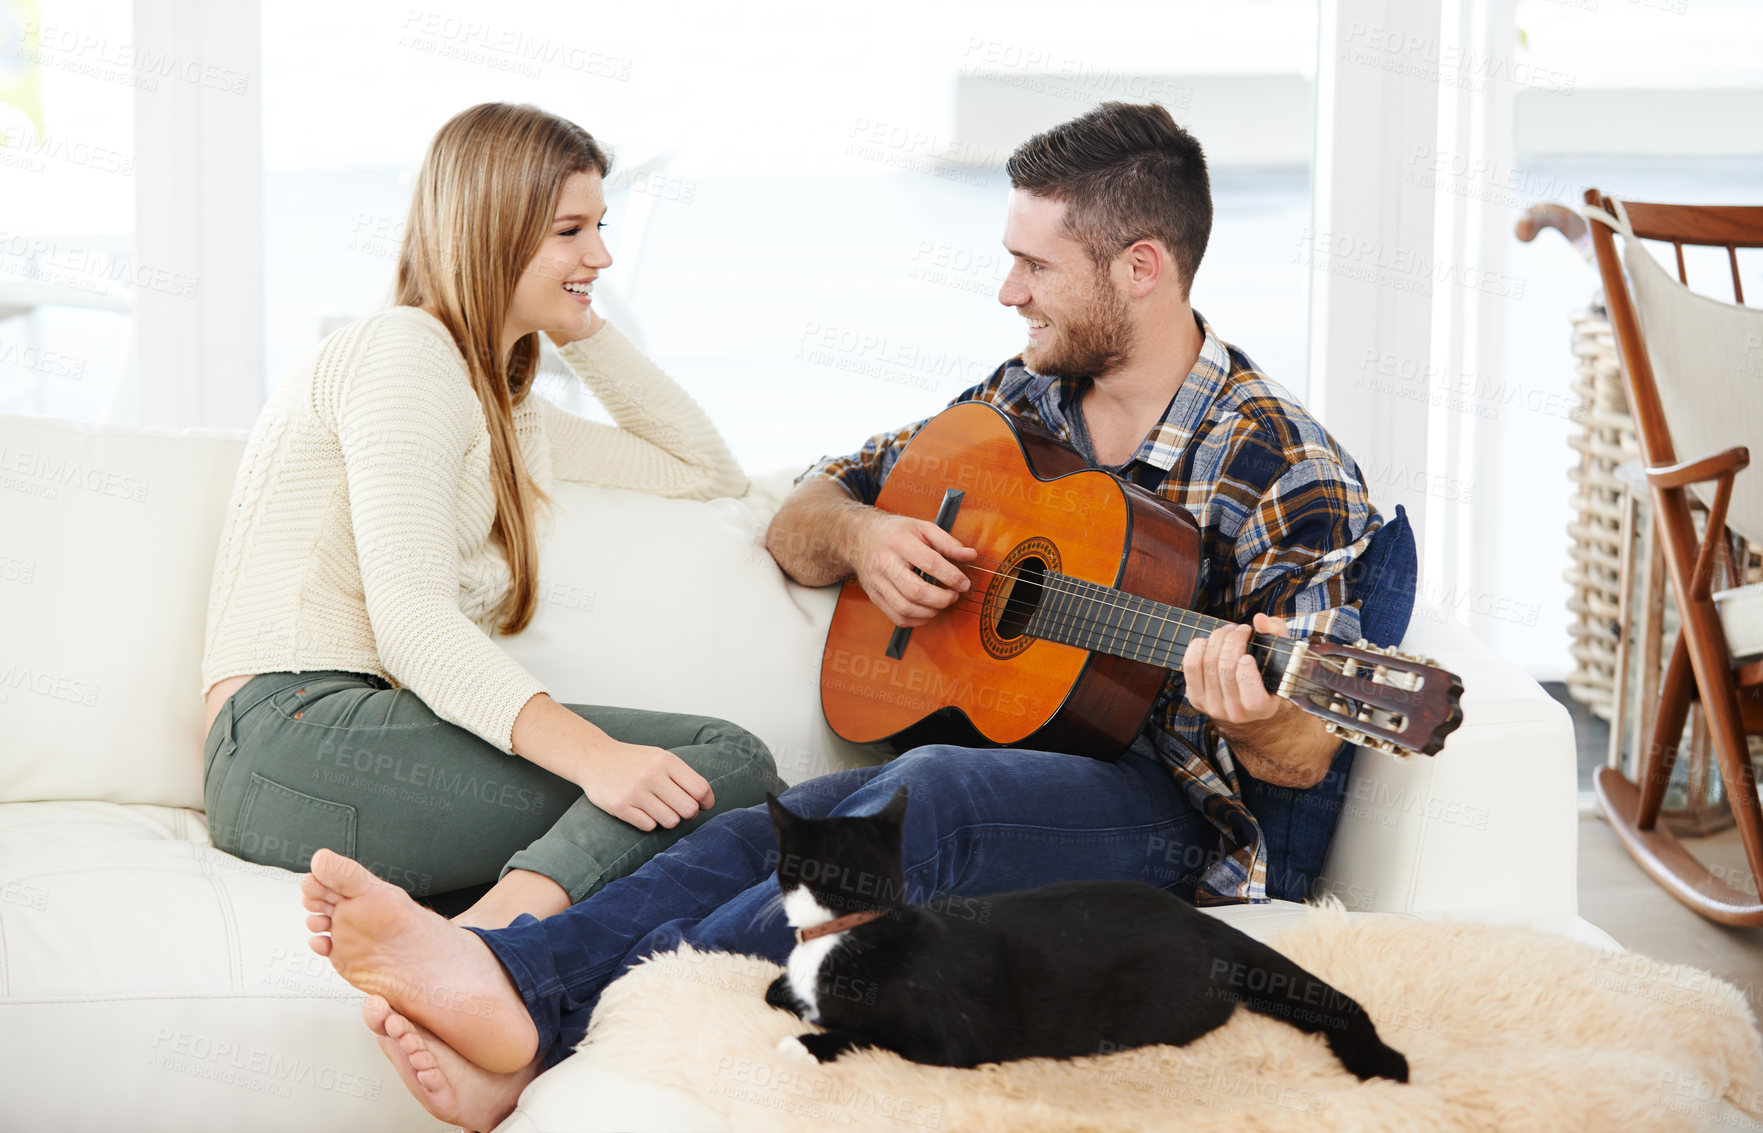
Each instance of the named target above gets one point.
<point>1268,983</point>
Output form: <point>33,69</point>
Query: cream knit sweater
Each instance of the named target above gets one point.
<point>357,536</point>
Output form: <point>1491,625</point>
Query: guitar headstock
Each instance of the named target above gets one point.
<point>1376,697</point>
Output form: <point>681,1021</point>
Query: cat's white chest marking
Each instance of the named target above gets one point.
<point>803,968</point>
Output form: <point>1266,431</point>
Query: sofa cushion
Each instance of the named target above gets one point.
<point>676,605</point>
<point>134,951</point>
<point>105,557</point>
<point>107,554</point>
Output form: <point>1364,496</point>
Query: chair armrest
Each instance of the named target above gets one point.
<point>1723,467</point>
<point>1688,472</point>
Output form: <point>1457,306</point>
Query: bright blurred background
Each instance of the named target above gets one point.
<point>807,205</point>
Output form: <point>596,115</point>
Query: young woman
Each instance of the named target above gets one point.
<point>383,526</point>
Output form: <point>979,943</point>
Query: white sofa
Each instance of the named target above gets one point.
<point>151,982</point>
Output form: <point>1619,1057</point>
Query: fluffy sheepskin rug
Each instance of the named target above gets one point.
<point>1504,1028</point>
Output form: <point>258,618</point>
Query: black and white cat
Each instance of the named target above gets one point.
<point>1058,971</point>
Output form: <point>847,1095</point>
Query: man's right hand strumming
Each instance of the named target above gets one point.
<point>821,536</point>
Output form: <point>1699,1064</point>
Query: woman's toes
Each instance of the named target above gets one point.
<point>410,1038</point>
<point>345,877</point>
<point>423,1059</point>
<point>318,922</point>
<point>315,892</point>
<point>432,1080</point>
<point>374,1010</point>
<point>319,944</point>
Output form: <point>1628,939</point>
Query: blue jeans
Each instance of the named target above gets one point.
<point>977,821</point>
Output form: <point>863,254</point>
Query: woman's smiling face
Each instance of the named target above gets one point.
<point>555,291</point>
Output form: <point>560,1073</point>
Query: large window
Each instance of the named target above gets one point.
<point>68,279</point>
<point>807,206</point>
<point>1677,120</point>
<point>808,201</point>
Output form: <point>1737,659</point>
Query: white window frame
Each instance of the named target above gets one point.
<point>1372,123</point>
<point>199,214</point>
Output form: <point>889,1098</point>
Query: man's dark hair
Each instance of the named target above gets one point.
<point>1125,172</point>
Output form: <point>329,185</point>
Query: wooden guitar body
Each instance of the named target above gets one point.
<point>970,676</point>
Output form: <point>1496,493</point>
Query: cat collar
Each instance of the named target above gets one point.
<point>839,924</point>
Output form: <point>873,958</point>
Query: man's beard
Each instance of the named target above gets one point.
<point>1091,344</point>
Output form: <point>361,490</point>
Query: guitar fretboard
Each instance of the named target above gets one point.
<point>1075,612</point>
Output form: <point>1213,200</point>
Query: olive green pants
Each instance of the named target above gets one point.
<point>296,761</point>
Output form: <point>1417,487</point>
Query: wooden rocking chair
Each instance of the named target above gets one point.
<point>1695,385</point>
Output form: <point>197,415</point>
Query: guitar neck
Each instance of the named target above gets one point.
<point>1075,612</point>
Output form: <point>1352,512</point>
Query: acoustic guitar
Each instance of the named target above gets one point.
<point>1077,612</point>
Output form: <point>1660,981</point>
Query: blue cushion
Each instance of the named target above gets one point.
<point>1384,578</point>
<point>1298,825</point>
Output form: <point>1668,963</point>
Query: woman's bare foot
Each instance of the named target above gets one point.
<point>447,1084</point>
<point>427,969</point>
<point>522,891</point>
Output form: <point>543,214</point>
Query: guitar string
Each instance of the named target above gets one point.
<point>1120,637</point>
<point>1299,684</point>
<point>1127,636</point>
<point>1171,659</point>
<point>1131,637</point>
<point>1103,597</point>
<point>1097,592</point>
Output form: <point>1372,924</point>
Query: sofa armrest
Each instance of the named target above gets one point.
<point>1490,824</point>
<point>582,1094</point>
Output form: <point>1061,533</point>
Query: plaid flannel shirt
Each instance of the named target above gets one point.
<point>1282,510</point>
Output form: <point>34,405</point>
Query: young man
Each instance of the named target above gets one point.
<point>1107,222</point>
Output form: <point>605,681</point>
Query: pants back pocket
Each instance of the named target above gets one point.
<point>283,827</point>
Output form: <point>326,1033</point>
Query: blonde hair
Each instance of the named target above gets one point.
<point>482,208</point>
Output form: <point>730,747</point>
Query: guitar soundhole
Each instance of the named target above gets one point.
<point>1024,599</point>
<point>1015,593</point>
